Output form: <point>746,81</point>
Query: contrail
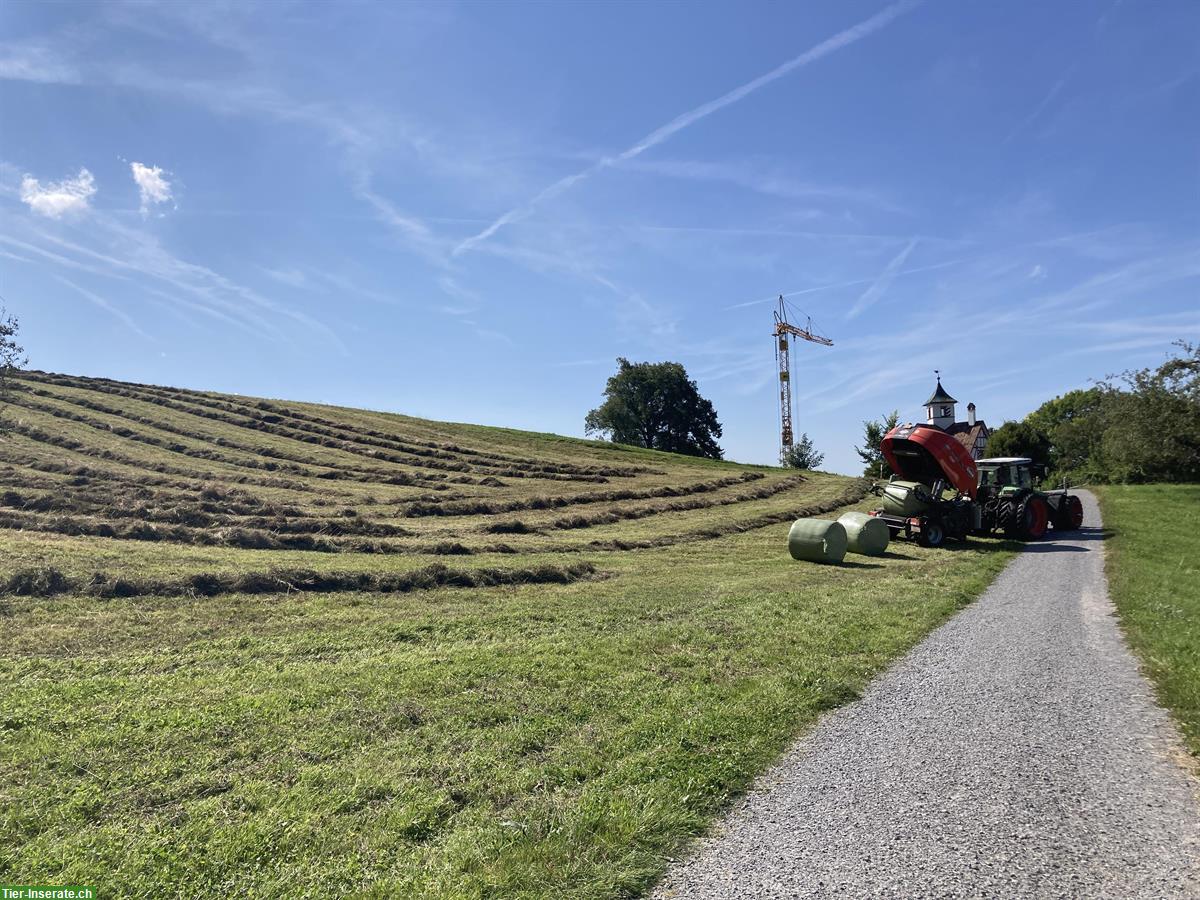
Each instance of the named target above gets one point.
<point>879,287</point>
<point>1041,107</point>
<point>842,284</point>
<point>830,45</point>
<point>105,305</point>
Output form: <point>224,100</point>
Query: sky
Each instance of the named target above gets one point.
<point>468,211</point>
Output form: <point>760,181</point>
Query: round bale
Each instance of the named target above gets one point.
<point>865,534</point>
<point>817,540</point>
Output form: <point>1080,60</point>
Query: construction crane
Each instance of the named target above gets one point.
<point>784,332</point>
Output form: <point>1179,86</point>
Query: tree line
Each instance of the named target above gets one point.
<point>1140,426</point>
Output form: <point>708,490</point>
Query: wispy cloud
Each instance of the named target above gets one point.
<point>880,285</point>
<point>36,63</point>
<point>1045,102</point>
<point>153,188</point>
<point>665,132</point>
<point>844,284</point>
<point>759,177</point>
<point>105,305</point>
<point>68,197</point>
<point>291,277</point>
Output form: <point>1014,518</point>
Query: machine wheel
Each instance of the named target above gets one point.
<point>932,534</point>
<point>1008,519</point>
<point>1070,514</point>
<point>1033,518</point>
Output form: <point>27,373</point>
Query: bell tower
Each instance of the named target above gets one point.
<point>939,408</point>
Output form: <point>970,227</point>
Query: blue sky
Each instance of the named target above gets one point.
<point>467,211</point>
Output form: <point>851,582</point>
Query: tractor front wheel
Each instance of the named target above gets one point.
<point>1034,517</point>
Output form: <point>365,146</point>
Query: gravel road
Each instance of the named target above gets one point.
<point>1016,752</point>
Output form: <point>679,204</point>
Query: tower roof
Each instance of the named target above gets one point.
<point>939,395</point>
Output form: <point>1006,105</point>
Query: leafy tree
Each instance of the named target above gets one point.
<point>1142,425</point>
<point>11,353</point>
<point>1020,439</point>
<point>875,466</point>
<point>802,454</point>
<point>656,405</point>
<point>1152,428</point>
<point>1074,424</point>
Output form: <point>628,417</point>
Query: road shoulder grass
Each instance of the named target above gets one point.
<point>1153,569</point>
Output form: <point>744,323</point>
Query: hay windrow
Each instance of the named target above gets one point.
<point>50,582</point>
<point>296,426</point>
<point>489,507</point>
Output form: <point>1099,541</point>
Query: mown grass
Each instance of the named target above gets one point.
<point>1154,574</point>
<point>520,740</point>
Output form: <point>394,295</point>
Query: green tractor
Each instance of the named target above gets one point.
<point>1010,503</point>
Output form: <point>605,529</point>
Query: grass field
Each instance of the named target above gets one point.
<point>1154,576</point>
<point>276,649</point>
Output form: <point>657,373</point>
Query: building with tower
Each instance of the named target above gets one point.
<point>940,412</point>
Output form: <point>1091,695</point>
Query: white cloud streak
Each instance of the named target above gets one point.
<point>659,135</point>
<point>153,188</point>
<point>880,285</point>
<point>68,197</point>
<point>1041,107</point>
<point>105,305</point>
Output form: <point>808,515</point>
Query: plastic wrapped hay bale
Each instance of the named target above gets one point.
<point>817,540</point>
<point>865,534</point>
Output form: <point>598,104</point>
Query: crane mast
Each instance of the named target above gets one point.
<point>784,332</point>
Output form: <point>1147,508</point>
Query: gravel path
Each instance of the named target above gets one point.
<point>1016,752</point>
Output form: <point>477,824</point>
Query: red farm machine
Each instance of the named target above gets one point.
<point>939,491</point>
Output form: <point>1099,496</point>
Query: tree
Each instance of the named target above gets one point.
<point>655,405</point>
<point>11,353</point>
<point>1074,425</point>
<point>875,466</point>
<point>1142,425</point>
<point>1020,439</point>
<point>802,454</point>
<point>1152,428</point>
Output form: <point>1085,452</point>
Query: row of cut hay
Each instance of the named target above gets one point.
<point>369,436</point>
<point>263,427</point>
<point>62,441</point>
<point>246,538</point>
<point>620,514</point>
<point>851,495</point>
<point>268,418</point>
<point>277,460</point>
<point>148,506</point>
<point>527,463</point>
<point>82,495</point>
<point>27,467</point>
<point>48,582</point>
<point>325,536</point>
<point>215,494</point>
<point>32,480</point>
<point>495,507</point>
<point>398,479</point>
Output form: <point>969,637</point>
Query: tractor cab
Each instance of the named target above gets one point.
<point>1005,475</point>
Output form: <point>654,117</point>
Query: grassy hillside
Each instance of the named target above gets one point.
<point>1154,574</point>
<point>271,648</point>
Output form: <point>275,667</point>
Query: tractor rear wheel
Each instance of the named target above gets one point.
<point>1070,514</point>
